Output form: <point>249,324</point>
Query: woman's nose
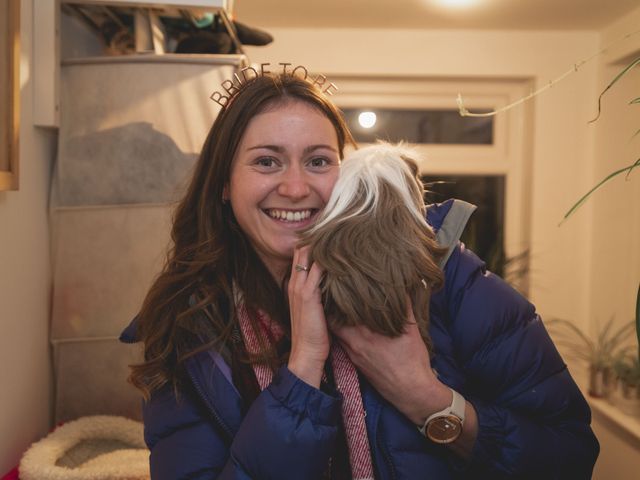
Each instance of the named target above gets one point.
<point>294,184</point>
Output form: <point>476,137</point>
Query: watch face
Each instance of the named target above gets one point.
<point>445,429</point>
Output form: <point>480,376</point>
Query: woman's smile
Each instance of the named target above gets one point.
<point>297,217</point>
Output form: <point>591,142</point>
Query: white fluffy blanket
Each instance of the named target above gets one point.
<point>91,448</point>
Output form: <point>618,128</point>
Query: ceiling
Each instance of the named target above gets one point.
<point>430,14</point>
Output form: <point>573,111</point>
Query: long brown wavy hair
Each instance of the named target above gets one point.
<point>189,307</point>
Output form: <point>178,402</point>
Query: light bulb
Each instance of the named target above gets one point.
<point>457,3</point>
<point>367,119</point>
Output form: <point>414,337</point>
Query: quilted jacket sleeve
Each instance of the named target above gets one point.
<point>290,424</point>
<point>533,420</point>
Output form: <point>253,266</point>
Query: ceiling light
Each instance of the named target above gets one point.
<point>457,3</point>
<point>367,119</point>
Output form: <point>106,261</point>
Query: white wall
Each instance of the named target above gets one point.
<point>25,281</point>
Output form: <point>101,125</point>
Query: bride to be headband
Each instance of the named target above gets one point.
<point>233,86</point>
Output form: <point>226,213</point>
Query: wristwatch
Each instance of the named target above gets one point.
<point>445,426</point>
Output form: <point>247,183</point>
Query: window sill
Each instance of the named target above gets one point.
<point>629,424</point>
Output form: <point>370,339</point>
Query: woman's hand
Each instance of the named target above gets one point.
<point>398,368</point>
<point>310,341</point>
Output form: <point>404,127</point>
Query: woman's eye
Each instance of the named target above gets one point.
<point>318,162</point>
<point>265,161</point>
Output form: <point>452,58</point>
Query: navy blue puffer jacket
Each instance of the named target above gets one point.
<point>489,344</point>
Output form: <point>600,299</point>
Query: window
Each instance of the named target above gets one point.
<point>481,160</point>
<point>418,126</point>
<point>485,231</point>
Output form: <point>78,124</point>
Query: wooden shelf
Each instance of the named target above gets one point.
<point>203,4</point>
<point>46,46</point>
<point>237,60</point>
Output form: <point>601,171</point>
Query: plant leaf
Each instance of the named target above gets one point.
<point>603,334</point>
<point>637,162</point>
<point>574,350</point>
<point>619,337</point>
<point>612,83</point>
<point>522,256</point>
<point>588,343</point>
<point>635,100</point>
<point>584,198</point>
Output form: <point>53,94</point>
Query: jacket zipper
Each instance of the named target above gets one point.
<point>218,419</point>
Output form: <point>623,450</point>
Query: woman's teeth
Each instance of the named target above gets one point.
<point>288,215</point>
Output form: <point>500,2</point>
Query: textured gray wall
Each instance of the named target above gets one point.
<point>129,135</point>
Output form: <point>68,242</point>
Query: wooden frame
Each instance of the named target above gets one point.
<point>10,85</point>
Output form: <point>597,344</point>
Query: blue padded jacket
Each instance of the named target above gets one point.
<point>489,344</point>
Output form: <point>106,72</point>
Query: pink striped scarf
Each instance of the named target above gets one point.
<point>346,379</point>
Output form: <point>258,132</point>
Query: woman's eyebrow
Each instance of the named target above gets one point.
<point>320,146</point>
<point>275,148</point>
<point>281,149</point>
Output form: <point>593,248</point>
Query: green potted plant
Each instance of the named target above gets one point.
<point>626,365</point>
<point>627,392</point>
<point>600,354</point>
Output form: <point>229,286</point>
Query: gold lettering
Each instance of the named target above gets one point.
<point>262,70</point>
<point>328,89</point>
<point>284,67</point>
<point>229,87</point>
<point>298,68</point>
<point>244,73</point>
<point>319,81</point>
<point>220,99</point>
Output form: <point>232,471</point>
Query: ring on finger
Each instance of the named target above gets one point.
<point>301,268</point>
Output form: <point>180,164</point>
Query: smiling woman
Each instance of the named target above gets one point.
<point>245,374</point>
<point>10,93</point>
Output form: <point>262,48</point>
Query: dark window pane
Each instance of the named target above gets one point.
<point>421,126</point>
<point>484,233</point>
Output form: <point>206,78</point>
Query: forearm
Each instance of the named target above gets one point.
<point>306,367</point>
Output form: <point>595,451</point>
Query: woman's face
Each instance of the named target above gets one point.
<point>282,175</point>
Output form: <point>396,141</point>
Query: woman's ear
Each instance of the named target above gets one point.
<point>225,194</point>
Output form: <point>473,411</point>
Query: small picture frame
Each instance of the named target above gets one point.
<point>9,93</point>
